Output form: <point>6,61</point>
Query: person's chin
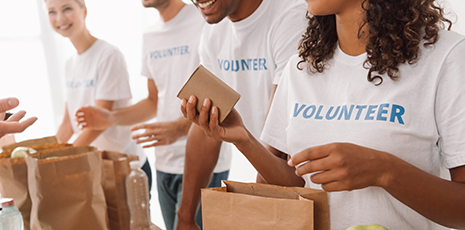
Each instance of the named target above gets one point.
<point>213,18</point>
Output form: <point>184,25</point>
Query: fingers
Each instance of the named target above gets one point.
<point>8,103</point>
<point>140,126</point>
<point>17,127</point>
<point>17,116</point>
<point>191,110</point>
<point>308,155</point>
<point>311,167</point>
<point>204,116</point>
<point>214,124</point>
<point>183,107</point>
<point>80,117</point>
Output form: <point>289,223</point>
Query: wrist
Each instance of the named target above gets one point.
<point>113,118</point>
<point>387,176</point>
<point>245,140</point>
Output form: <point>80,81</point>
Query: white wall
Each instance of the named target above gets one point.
<point>32,58</point>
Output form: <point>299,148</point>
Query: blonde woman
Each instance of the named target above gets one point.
<point>96,75</point>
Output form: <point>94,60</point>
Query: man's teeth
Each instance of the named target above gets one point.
<point>206,4</point>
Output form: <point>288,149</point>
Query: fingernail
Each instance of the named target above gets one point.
<point>12,102</point>
<point>205,102</point>
<point>214,110</point>
<point>191,99</point>
<point>296,173</point>
<point>289,162</point>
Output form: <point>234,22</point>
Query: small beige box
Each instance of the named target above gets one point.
<point>204,84</point>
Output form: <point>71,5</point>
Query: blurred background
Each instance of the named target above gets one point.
<point>32,59</point>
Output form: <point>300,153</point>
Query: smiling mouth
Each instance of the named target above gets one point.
<point>205,5</point>
<point>64,27</point>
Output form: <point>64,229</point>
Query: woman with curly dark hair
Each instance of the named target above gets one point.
<point>372,110</point>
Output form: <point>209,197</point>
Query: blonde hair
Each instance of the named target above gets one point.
<point>80,2</point>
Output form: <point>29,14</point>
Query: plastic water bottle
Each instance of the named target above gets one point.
<point>10,218</point>
<point>138,198</point>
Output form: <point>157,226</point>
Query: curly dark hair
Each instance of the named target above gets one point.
<point>395,32</point>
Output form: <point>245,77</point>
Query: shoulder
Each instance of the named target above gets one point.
<point>448,43</point>
<point>291,9</point>
<point>108,49</point>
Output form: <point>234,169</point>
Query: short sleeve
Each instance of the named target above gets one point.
<point>286,36</point>
<point>450,107</point>
<point>274,131</point>
<point>145,71</point>
<point>113,77</point>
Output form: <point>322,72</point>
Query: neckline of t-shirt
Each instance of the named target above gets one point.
<point>245,23</point>
<point>178,17</point>
<point>340,56</point>
<point>88,50</point>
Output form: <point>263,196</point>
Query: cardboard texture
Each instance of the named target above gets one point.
<point>115,169</point>
<point>41,141</point>
<point>260,206</point>
<point>66,192</point>
<point>204,84</point>
<point>13,174</point>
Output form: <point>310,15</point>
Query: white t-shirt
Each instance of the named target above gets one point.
<point>249,55</point>
<point>100,74</point>
<point>419,118</point>
<point>170,56</point>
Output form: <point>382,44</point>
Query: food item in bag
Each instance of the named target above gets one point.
<point>367,227</point>
<point>21,152</point>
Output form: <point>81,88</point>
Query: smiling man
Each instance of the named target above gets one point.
<point>246,43</point>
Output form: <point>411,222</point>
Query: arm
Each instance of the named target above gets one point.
<point>271,166</point>
<point>87,136</point>
<point>65,131</point>
<point>344,166</point>
<point>99,119</point>
<point>161,133</point>
<point>199,164</point>
<point>12,125</point>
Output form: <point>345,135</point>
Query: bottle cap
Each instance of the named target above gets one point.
<point>134,164</point>
<point>5,202</point>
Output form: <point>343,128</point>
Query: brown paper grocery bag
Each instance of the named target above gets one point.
<point>13,174</point>
<point>115,169</point>
<point>260,206</point>
<point>7,140</point>
<point>66,190</point>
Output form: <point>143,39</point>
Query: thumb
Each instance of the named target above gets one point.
<point>8,103</point>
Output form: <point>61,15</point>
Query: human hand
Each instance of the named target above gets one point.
<point>13,124</point>
<point>93,117</point>
<point>160,133</point>
<point>181,225</point>
<point>231,129</point>
<point>343,166</point>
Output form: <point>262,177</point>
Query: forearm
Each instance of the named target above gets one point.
<point>272,169</point>
<point>437,199</point>
<point>183,125</point>
<point>201,157</point>
<point>86,137</point>
<point>64,132</point>
<point>144,110</point>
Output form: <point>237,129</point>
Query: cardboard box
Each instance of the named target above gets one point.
<point>204,84</point>
<point>260,206</point>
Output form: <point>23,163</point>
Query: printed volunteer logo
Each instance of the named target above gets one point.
<point>170,52</point>
<point>382,112</point>
<point>80,84</point>
<point>250,64</point>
